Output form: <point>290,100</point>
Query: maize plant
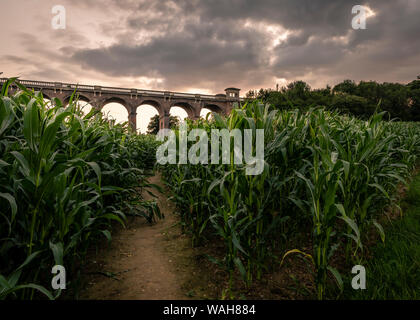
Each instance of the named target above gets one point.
<point>332,172</point>
<point>64,177</point>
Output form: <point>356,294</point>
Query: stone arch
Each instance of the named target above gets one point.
<point>161,108</point>
<point>46,96</point>
<point>115,100</point>
<point>48,101</point>
<point>204,111</point>
<point>131,111</point>
<point>81,97</point>
<point>144,113</point>
<point>214,107</point>
<point>189,109</point>
<point>153,103</point>
<point>120,113</point>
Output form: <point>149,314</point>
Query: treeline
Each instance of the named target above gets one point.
<point>401,101</point>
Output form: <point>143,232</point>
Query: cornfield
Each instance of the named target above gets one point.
<point>64,178</point>
<point>324,172</point>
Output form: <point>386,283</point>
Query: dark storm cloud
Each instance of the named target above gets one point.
<point>220,43</point>
<point>182,59</point>
<point>327,16</point>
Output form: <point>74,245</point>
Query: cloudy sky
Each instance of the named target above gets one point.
<point>205,46</point>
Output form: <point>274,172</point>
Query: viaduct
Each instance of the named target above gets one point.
<point>131,99</point>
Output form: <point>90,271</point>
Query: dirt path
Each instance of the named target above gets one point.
<point>157,262</point>
<point>138,265</point>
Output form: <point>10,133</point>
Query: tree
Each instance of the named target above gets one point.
<point>298,90</point>
<point>153,126</point>
<point>414,97</point>
<point>347,86</point>
<point>361,99</point>
<point>394,99</point>
<point>354,105</point>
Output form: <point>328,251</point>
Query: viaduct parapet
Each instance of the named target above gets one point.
<point>131,99</point>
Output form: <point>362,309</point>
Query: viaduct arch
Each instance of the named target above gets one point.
<point>131,99</point>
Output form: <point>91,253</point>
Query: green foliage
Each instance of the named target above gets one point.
<point>63,180</point>
<point>153,126</point>
<point>331,172</point>
<point>414,98</point>
<point>352,104</point>
<point>361,99</point>
<point>393,272</point>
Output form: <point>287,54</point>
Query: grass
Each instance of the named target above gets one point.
<point>394,270</point>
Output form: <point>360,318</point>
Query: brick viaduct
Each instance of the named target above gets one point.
<point>131,99</point>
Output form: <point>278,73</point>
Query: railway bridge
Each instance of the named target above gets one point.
<point>131,99</point>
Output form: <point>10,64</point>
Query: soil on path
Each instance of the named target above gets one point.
<point>157,262</point>
<point>139,264</point>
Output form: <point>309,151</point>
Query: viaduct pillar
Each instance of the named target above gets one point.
<point>164,121</point>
